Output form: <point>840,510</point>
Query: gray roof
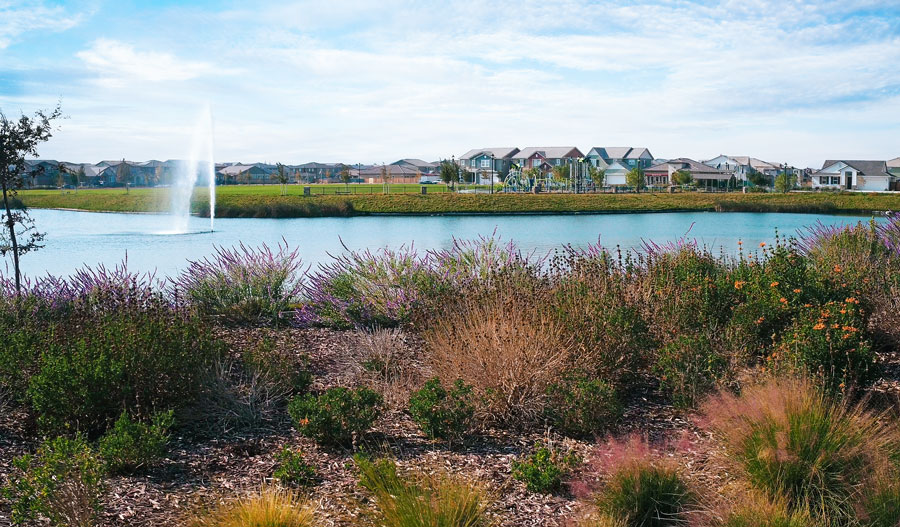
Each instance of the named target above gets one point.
<point>420,163</point>
<point>550,152</point>
<point>502,152</point>
<point>868,168</point>
<point>238,169</point>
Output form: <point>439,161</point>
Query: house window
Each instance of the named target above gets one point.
<point>558,161</point>
<point>485,163</point>
<point>535,163</point>
<point>836,180</point>
<point>473,163</point>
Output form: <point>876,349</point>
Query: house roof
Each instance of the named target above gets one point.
<point>894,163</point>
<point>697,169</point>
<point>420,163</point>
<point>501,152</point>
<point>868,168</point>
<point>238,169</point>
<point>549,152</point>
<point>392,170</point>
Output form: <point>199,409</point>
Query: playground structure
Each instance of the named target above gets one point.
<point>576,179</point>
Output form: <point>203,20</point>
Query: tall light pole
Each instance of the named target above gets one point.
<point>492,172</point>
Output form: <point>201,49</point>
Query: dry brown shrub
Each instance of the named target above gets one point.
<point>387,364</point>
<point>270,507</point>
<point>506,343</point>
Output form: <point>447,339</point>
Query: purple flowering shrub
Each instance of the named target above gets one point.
<point>242,285</point>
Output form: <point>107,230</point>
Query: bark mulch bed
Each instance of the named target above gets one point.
<point>199,473</point>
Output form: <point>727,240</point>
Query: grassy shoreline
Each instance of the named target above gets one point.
<point>266,202</point>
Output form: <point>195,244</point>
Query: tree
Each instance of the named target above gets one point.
<point>385,178</point>
<point>345,177</point>
<point>78,178</point>
<point>597,175</point>
<point>682,177</point>
<point>758,178</point>
<point>282,177</point>
<point>635,178</point>
<point>60,178</point>
<point>449,173</point>
<point>561,172</point>
<point>784,182</point>
<point>19,139</point>
<point>159,174</point>
<point>123,174</point>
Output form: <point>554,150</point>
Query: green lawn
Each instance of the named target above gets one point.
<point>267,201</point>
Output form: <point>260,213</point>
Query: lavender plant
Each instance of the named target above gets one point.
<point>242,285</point>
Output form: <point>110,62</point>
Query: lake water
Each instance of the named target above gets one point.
<point>75,239</point>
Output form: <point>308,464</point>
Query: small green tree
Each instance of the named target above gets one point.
<point>385,179</point>
<point>78,178</point>
<point>682,177</point>
<point>449,173</point>
<point>597,175</point>
<point>345,177</point>
<point>561,172</point>
<point>784,182</point>
<point>758,178</point>
<point>635,178</point>
<point>282,177</point>
<point>123,174</point>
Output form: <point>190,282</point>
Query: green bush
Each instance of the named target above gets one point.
<point>421,500</point>
<point>292,469</point>
<point>97,365</point>
<point>688,368</point>
<point>442,413</point>
<point>131,445</point>
<point>61,483</point>
<point>579,406</point>
<point>337,417</point>
<point>829,342</point>
<point>543,470</point>
<point>645,494</point>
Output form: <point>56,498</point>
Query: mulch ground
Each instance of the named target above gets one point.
<point>199,473</point>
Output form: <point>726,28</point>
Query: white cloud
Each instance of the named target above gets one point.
<point>19,18</point>
<point>118,62</point>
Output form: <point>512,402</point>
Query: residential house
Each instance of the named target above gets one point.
<point>545,158</point>
<point>614,174</point>
<point>240,173</point>
<point>496,160</point>
<point>400,174</point>
<point>424,167</point>
<point>317,172</point>
<point>742,166</point>
<point>894,166</point>
<point>703,174</point>
<point>41,172</point>
<point>626,156</point>
<point>853,175</point>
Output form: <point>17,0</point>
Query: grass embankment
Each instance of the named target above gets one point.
<point>266,201</point>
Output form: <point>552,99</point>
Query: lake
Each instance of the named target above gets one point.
<point>75,239</point>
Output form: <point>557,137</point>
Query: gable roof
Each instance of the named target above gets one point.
<point>549,152</point>
<point>868,168</point>
<point>694,167</point>
<point>894,163</point>
<point>420,163</point>
<point>501,152</point>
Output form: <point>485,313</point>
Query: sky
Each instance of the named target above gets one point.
<point>371,82</point>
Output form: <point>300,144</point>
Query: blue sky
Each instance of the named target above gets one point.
<point>362,81</point>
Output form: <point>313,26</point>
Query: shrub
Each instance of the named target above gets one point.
<point>421,499</point>
<point>831,343</point>
<point>507,346</point>
<point>61,483</point>
<point>140,359</point>
<point>543,470</point>
<point>269,508</point>
<point>443,413</point>
<point>798,446</point>
<point>689,367</point>
<point>282,375</point>
<point>580,406</point>
<point>241,285</point>
<point>292,469</point>
<point>131,445</point>
<point>644,494</point>
<point>339,416</point>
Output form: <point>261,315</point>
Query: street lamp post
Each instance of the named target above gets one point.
<point>492,172</point>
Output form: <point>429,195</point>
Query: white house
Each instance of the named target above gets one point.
<point>853,175</point>
<point>615,174</point>
<point>742,166</point>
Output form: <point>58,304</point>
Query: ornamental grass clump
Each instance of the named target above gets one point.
<point>641,488</point>
<point>270,507</point>
<point>817,455</point>
<point>243,285</point>
<point>419,499</point>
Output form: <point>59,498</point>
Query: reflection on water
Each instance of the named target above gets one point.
<point>78,238</point>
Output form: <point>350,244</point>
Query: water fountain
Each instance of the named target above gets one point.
<point>199,163</point>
